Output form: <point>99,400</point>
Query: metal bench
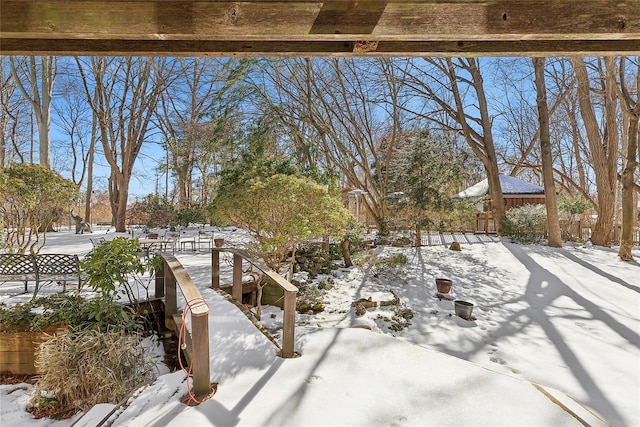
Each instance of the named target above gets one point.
<point>57,268</point>
<point>40,269</point>
<point>18,268</point>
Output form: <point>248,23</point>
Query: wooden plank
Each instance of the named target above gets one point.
<point>17,357</point>
<point>14,46</point>
<point>18,368</point>
<point>197,353</point>
<point>215,269</point>
<point>312,20</point>
<point>159,282</point>
<point>288,324</point>
<point>284,284</point>
<point>306,27</point>
<point>290,292</point>
<point>200,348</point>
<point>19,341</point>
<point>175,273</point>
<point>236,290</point>
<point>18,350</point>
<point>170,299</point>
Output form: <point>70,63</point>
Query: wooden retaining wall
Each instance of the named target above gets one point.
<point>18,350</point>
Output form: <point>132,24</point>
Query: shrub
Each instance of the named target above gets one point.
<point>153,211</point>
<point>525,224</point>
<point>33,198</point>
<point>401,318</point>
<point>84,368</point>
<point>570,210</point>
<point>370,261</point>
<point>72,310</point>
<point>192,214</point>
<point>116,267</point>
<point>310,298</point>
<point>282,212</point>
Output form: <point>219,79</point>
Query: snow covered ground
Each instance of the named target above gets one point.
<point>565,319</point>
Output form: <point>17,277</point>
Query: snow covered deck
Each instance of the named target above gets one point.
<point>339,381</point>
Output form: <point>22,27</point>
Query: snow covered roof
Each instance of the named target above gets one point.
<point>509,184</point>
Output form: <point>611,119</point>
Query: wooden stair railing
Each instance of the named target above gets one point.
<point>290,291</point>
<point>171,274</point>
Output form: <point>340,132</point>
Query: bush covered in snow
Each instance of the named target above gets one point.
<point>525,224</point>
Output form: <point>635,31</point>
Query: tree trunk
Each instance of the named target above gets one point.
<point>124,120</point>
<point>490,160</point>
<point>631,108</point>
<point>41,85</point>
<point>325,243</point>
<point>553,224</point>
<point>121,206</point>
<point>603,146</point>
<point>92,148</point>
<point>628,190</point>
<point>87,200</point>
<point>44,123</point>
<point>346,252</point>
<point>482,145</point>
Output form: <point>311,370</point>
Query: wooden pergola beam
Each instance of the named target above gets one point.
<point>331,28</point>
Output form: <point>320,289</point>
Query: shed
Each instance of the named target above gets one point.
<point>515,193</point>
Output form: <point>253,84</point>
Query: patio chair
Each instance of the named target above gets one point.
<point>204,238</point>
<point>171,243</point>
<point>97,242</point>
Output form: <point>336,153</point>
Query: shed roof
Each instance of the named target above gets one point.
<point>510,186</point>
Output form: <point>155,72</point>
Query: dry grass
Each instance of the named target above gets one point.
<point>86,368</point>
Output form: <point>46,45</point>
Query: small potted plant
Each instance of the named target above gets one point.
<point>443,285</point>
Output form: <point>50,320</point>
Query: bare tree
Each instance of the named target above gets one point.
<point>183,117</point>
<point>16,120</point>
<point>8,119</point>
<point>631,109</point>
<point>603,145</point>
<point>555,237</point>
<point>35,79</point>
<point>75,117</point>
<point>573,165</point>
<point>127,94</point>
<point>455,88</point>
<point>347,112</point>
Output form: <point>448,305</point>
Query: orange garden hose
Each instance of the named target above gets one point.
<point>190,398</point>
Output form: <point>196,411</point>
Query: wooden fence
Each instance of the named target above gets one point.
<point>171,274</point>
<point>290,291</point>
<point>485,224</point>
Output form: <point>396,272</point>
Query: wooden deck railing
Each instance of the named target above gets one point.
<point>197,342</point>
<point>290,291</point>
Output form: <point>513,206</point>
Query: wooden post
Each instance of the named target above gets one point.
<point>159,292</point>
<point>236,291</point>
<point>170,301</point>
<point>197,342</point>
<point>289,323</point>
<point>200,341</point>
<point>215,269</point>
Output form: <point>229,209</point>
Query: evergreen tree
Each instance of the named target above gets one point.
<point>427,172</point>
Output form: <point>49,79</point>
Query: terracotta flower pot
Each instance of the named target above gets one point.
<point>444,285</point>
